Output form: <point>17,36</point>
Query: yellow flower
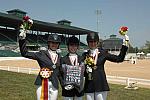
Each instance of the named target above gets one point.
<point>89,61</point>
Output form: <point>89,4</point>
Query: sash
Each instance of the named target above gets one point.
<point>45,74</point>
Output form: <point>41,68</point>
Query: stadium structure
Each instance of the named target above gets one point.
<point>37,35</point>
<point>112,44</point>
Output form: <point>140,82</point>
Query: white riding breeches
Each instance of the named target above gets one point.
<point>52,93</point>
<point>97,96</point>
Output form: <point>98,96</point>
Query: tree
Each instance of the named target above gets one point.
<point>146,47</point>
<point>132,49</point>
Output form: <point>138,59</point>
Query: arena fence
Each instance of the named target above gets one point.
<point>111,79</point>
<point>20,69</point>
<point>129,81</point>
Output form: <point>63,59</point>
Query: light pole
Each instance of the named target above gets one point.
<point>98,12</point>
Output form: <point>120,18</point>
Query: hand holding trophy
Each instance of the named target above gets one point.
<point>123,31</point>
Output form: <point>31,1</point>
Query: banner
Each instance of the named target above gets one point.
<point>74,76</point>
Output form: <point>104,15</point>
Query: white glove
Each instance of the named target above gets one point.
<point>31,21</point>
<point>126,40</point>
<point>23,32</point>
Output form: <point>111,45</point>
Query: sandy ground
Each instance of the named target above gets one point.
<point>125,69</point>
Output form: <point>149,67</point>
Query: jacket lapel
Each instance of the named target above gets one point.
<point>48,55</point>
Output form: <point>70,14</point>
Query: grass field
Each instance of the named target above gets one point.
<point>19,86</point>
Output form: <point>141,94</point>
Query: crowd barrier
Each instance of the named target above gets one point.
<point>111,79</point>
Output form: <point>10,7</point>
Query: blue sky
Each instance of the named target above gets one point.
<point>134,14</point>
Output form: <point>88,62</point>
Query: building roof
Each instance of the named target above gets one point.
<point>8,20</point>
<point>112,43</point>
<point>64,20</point>
<point>17,10</point>
<point>113,38</point>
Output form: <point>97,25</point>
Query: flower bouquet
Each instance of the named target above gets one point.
<point>89,61</point>
<point>26,23</point>
<point>90,65</point>
<point>123,30</point>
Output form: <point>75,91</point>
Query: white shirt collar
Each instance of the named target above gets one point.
<point>51,52</point>
<point>72,54</point>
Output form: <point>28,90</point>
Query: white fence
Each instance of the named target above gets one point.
<point>20,69</point>
<point>128,80</point>
<point>13,58</point>
<point>111,79</point>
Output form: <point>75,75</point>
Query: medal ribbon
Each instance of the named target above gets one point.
<point>54,58</point>
<point>73,60</point>
<point>45,74</point>
<point>44,92</point>
<point>95,56</point>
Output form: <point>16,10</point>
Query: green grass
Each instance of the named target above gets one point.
<point>16,86</point>
<point>19,86</point>
<point>119,93</point>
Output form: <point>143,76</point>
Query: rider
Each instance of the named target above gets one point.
<point>74,90</point>
<point>96,85</point>
<point>48,59</point>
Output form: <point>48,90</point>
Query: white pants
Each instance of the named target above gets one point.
<point>72,98</point>
<point>97,96</point>
<point>52,93</point>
